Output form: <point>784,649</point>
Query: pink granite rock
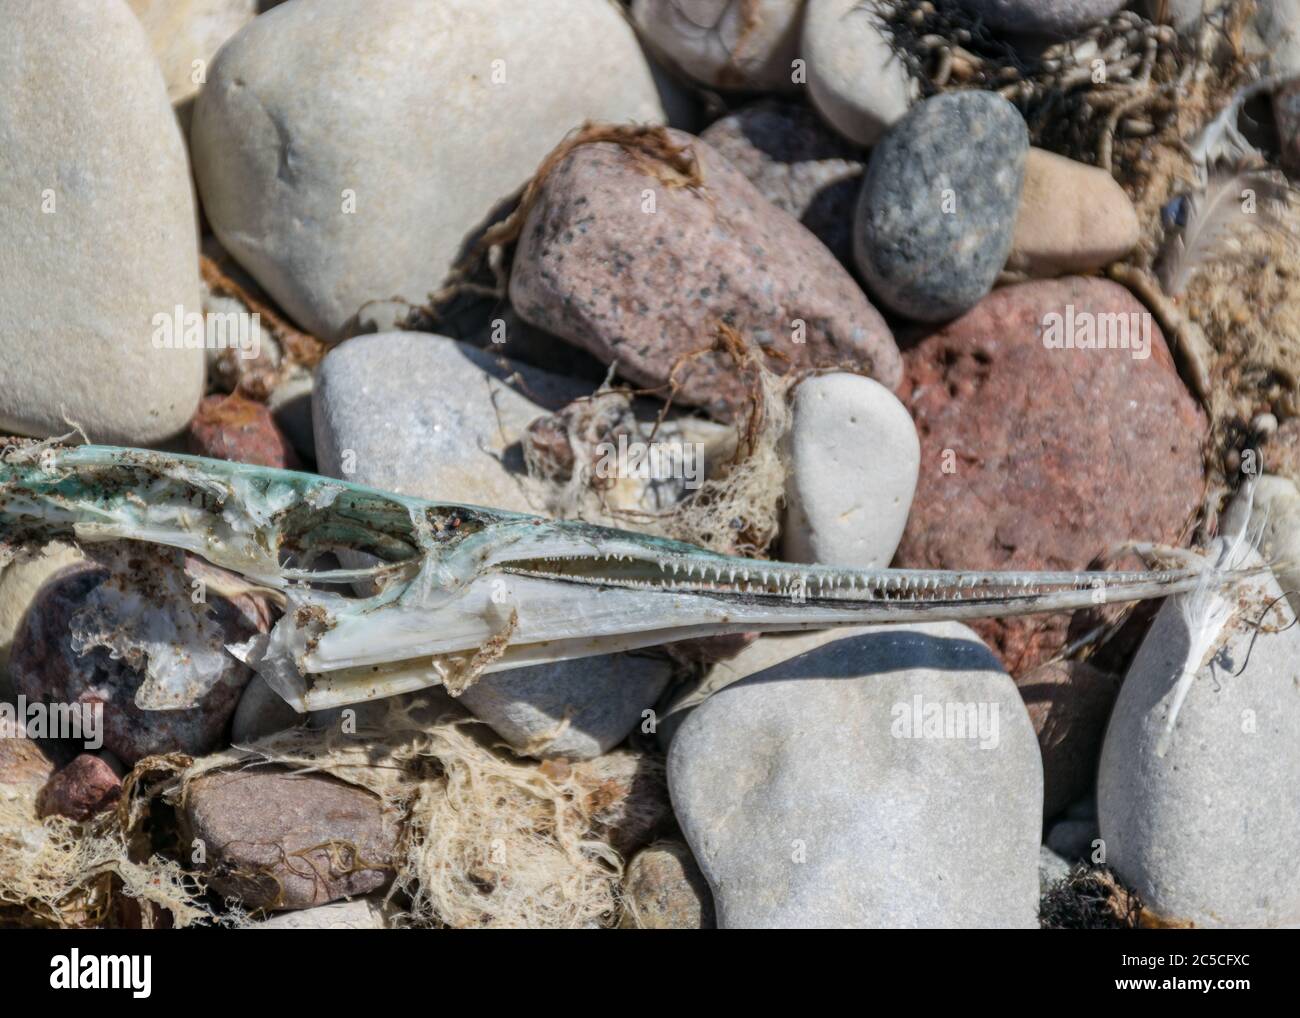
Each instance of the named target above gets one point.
<point>87,786</point>
<point>639,268</point>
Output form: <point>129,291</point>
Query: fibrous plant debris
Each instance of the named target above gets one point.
<point>1090,898</point>
<point>1127,95</point>
<point>58,872</point>
<point>735,510</point>
<point>489,841</point>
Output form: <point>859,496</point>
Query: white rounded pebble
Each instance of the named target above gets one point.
<point>854,457</point>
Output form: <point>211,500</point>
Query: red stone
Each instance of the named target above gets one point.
<point>238,429</point>
<point>85,787</point>
<point>1037,458</point>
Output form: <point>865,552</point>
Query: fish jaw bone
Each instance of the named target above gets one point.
<point>450,575</point>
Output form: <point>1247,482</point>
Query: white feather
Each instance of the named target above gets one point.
<point>1206,610</point>
<point>1231,202</point>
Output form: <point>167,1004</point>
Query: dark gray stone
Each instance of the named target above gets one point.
<point>1073,838</point>
<point>937,213</point>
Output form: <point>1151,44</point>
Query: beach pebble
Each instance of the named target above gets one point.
<point>855,79</point>
<point>729,44</point>
<point>1204,826</point>
<point>261,711</point>
<point>576,709</point>
<point>936,216</point>
<point>19,582</point>
<point>243,430</point>
<point>362,914</point>
<point>797,165</point>
<point>1073,218</point>
<point>663,889</point>
<point>345,153</point>
<point>1073,838</point>
<point>275,840</point>
<point>46,665</point>
<point>809,798</point>
<point>186,34</point>
<point>86,786</point>
<point>97,215</point>
<point>1037,458</point>
<point>1042,17</point>
<point>640,272</point>
<point>853,456</point>
<point>424,415</point>
<point>1069,703</point>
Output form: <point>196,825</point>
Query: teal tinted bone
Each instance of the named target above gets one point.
<point>455,579</point>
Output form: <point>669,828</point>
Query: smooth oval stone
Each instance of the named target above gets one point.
<point>1005,460</point>
<point>277,840</point>
<point>854,457</point>
<point>1073,218</point>
<point>1207,832</point>
<point>855,79</point>
<point>1043,17</point>
<point>345,152</point>
<point>49,664</point>
<point>937,213</point>
<point>574,709</point>
<point>635,271</point>
<point>424,415</point>
<point>99,231</point>
<point>665,890</point>
<point>826,792</point>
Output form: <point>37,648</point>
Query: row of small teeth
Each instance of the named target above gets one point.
<point>760,580</point>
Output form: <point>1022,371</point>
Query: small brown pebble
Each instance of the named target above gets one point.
<point>284,841</point>
<point>238,429</point>
<point>665,890</point>
<point>85,787</point>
